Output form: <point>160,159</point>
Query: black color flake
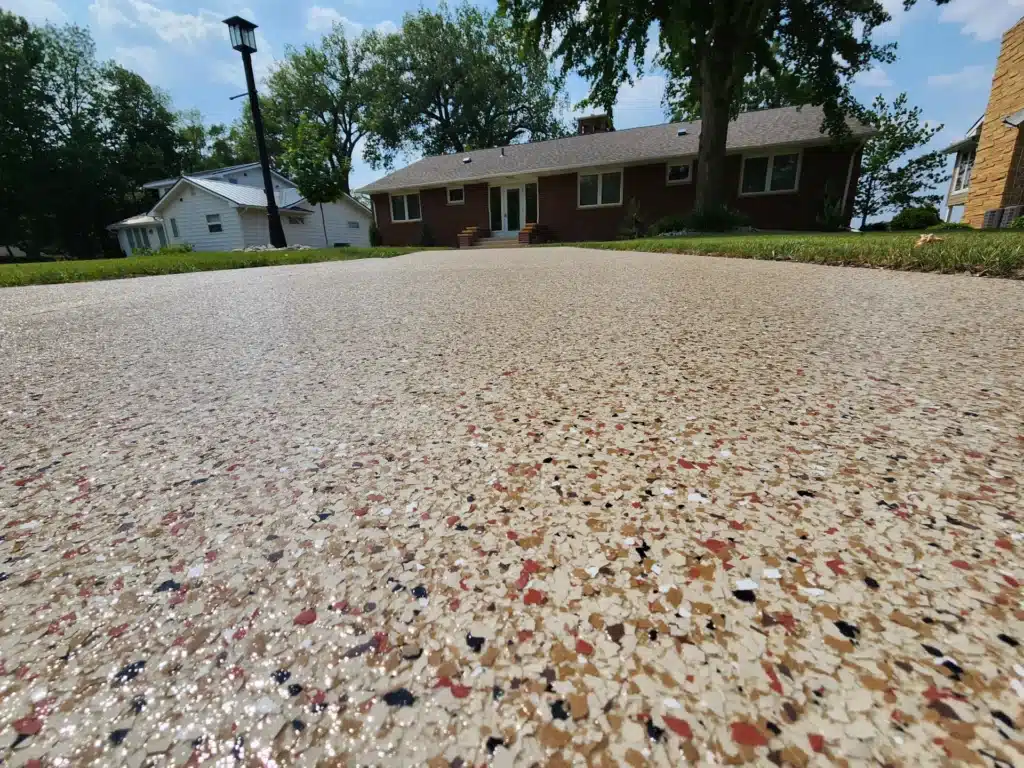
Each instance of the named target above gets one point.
<point>851,631</point>
<point>281,676</point>
<point>118,736</point>
<point>419,592</point>
<point>654,733</point>
<point>294,689</point>
<point>476,643</point>
<point>1013,642</point>
<point>493,742</point>
<point>129,672</point>
<point>400,697</point>
<point>746,595</point>
<point>871,582</point>
<point>168,586</point>
<point>558,711</point>
<point>298,725</point>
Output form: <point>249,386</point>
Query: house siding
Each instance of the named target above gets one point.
<point>336,217</point>
<point>997,179</point>
<point>823,174</point>
<point>190,208</point>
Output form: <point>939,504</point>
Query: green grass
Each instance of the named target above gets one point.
<point>40,273</point>
<point>993,254</point>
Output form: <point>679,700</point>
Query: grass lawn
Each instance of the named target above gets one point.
<point>38,273</point>
<point>997,253</point>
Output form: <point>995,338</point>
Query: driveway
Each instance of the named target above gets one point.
<point>545,506</point>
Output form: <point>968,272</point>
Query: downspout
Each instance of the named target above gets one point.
<point>324,222</point>
<point>849,176</point>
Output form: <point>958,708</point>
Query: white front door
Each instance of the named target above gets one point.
<point>506,210</point>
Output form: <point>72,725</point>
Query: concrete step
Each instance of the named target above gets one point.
<point>497,242</point>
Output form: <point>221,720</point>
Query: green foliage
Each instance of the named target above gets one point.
<point>318,101</point>
<point>888,181</point>
<point>914,218</point>
<point>42,273</point>
<point>203,148</point>
<point>878,226</point>
<point>713,48</point>
<point>989,253</point>
<point>831,218</point>
<point>452,81</point>
<point>632,225</point>
<point>375,237</point>
<point>1017,223</point>
<point>174,249</point>
<point>949,226</point>
<point>719,219</point>
<point>676,222</point>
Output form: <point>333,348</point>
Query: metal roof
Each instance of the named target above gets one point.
<point>202,174</point>
<point>1015,120</point>
<point>749,131</point>
<point>250,197</point>
<point>135,221</point>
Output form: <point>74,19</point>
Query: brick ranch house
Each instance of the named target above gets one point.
<point>988,174</point>
<point>782,170</point>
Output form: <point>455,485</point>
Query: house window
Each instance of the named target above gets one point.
<point>213,222</point>
<point>353,225</point>
<point>174,228</point>
<point>405,207</point>
<point>297,220</point>
<point>962,172</point>
<point>770,173</point>
<point>131,238</point>
<point>144,241</point>
<point>679,173</point>
<point>456,195</point>
<point>597,189</point>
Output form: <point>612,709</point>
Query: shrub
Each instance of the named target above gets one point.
<point>716,220</point>
<point>1017,223</point>
<point>946,226</point>
<point>831,218</point>
<point>673,223</point>
<point>632,225</point>
<point>170,250</point>
<point>375,238</point>
<point>915,218</point>
<point>878,226</point>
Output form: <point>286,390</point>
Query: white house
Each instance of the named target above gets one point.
<point>226,209</point>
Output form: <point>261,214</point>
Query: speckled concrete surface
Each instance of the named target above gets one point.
<point>540,507</point>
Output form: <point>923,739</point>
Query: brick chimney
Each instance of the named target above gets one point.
<point>601,123</point>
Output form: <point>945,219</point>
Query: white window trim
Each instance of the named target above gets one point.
<point>679,161</point>
<point>798,151</point>
<point>961,156</point>
<point>448,196</point>
<point>405,205</point>
<point>174,229</point>
<point>296,220</point>
<point>601,172</point>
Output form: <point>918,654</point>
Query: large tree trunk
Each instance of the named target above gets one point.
<point>716,94</point>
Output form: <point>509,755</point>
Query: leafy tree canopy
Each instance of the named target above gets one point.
<point>451,81</point>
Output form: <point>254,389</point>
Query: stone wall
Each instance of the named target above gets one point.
<point>998,177</point>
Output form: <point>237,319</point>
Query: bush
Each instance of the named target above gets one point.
<point>878,226</point>
<point>717,220</point>
<point>170,250</point>
<point>947,226</point>
<point>375,238</point>
<point>632,225</point>
<point>1017,223</point>
<point>673,223</point>
<point>831,218</point>
<point>915,218</point>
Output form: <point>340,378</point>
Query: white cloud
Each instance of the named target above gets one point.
<point>970,76</point>
<point>169,26</point>
<point>983,19</point>
<point>875,77</point>
<point>141,59</point>
<point>36,11</point>
<point>388,27</point>
<point>106,14</point>
<point>320,19</point>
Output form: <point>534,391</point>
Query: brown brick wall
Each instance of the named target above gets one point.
<point>999,151</point>
<point>823,172</point>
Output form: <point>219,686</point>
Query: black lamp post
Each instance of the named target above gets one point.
<point>243,40</point>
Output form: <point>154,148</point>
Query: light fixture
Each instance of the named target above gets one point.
<point>243,34</point>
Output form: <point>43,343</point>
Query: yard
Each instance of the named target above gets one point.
<point>992,254</point>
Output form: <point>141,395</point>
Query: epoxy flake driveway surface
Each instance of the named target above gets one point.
<point>545,506</point>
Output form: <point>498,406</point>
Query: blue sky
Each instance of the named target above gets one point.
<point>945,60</point>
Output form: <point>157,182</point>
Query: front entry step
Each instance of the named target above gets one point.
<point>496,242</point>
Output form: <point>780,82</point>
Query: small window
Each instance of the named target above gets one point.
<point>174,228</point>
<point>296,220</point>
<point>962,172</point>
<point>405,207</point>
<point>131,238</point>
<point>353,225</point>
<point>213,222</point>
<point>770,173</point>
<point>456,195</point>
<point>597,189</point>
<point>679,173</point>
<point>145,237</point>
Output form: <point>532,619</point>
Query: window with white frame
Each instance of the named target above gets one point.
<point>130,234</point>
<point>296,220</point>
<point>353,225</point>
<point>599,189</point>
<point>456,195</point>
<point>174,227</point>
<point>405,207</point>
<point>213,222</point>
<point>962,172</point>
<point>763,174</point>
<point>679,172</point>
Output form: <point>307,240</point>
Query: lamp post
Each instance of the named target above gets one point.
<point>243,40</point>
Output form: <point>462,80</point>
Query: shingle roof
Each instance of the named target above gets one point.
<point>765,128</point>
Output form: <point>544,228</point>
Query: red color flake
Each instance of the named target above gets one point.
<point>452,521</point>
<point>716,546</point>
<point>736,525</point>
<point>817,742</point>
<point>361,512</point>
<point>233,467</point>
<point>534,597</point>
<point>211,556</point>
<point>462,583</point>
<point>375,497</point>
<point>582,646</point>
<point>523,580</point>
<point>619,426</point>
<point>512,535</point>
<point>117,631</point>
<point>471,428</point>
<point>636,505</point>
<point>785,619</point>
<point>307,616</point>
<point>239,634</point>
<point>443,682</point>
<point>1011,581</point>
<point>319,698</point>
<point>460,691</point>
<point>837,567</point>
<point>380,641</point>
<point>748,735</point>
<point>832,530</point>
<point>962,564</point>
<point>531,566</point>
<point>524,635</point>
<point>769,670</point>
<point>28,726</point>
<point>454,603</point>
<point>679,727</point>
<point>686,464</point>
<point>1004,544</point>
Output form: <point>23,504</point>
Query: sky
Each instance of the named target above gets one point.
<point>946,54</point>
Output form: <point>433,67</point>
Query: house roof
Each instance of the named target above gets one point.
<point>203,174</point>
<point>287,199</point>
<point>969,140</point>
<point>140,220</point>
<point>1015,120</point>
<point>751,130</point>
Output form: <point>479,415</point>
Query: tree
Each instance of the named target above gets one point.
<point>454,81</point>
<point>886,184</point>
<point>715,46</point>
<point>322,93</point>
